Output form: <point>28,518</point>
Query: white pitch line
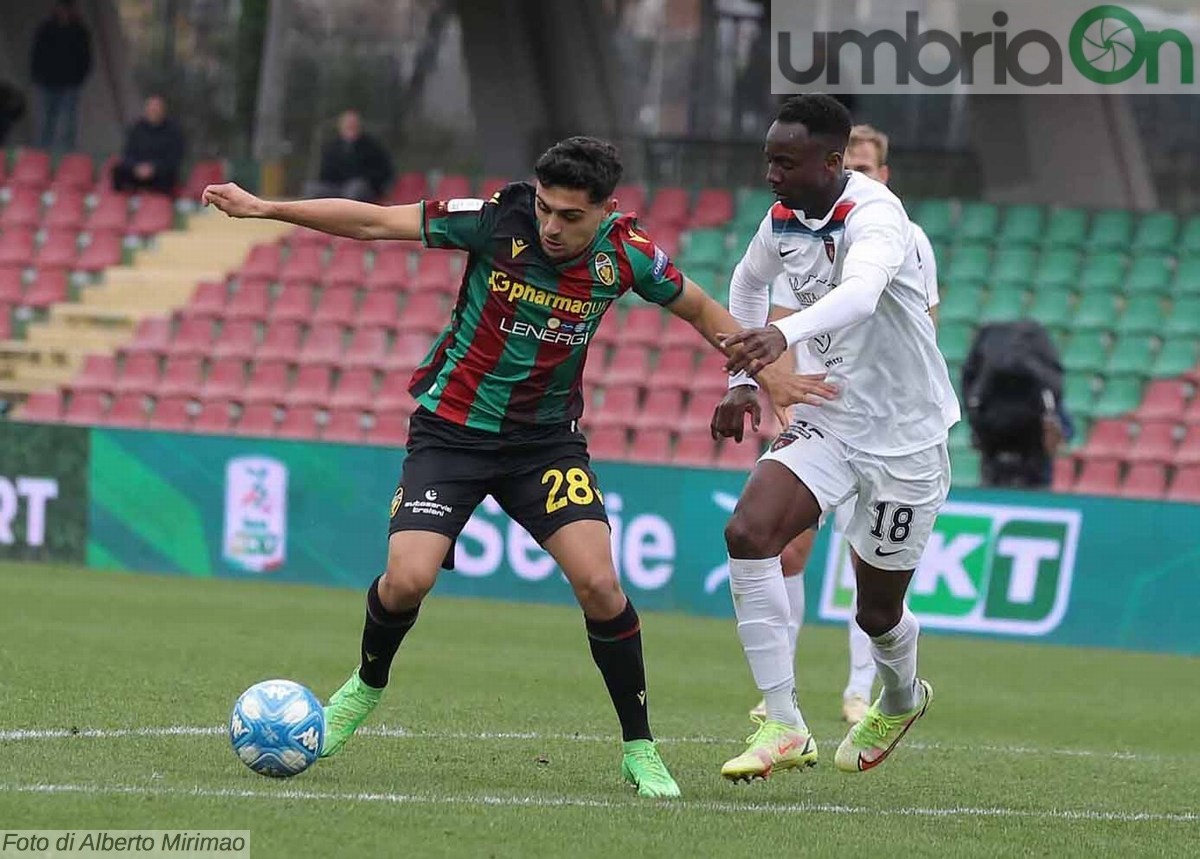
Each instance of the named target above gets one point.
<point>1086,815</point>
<point>25,734</point>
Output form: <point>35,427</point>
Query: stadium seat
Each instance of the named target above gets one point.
<point>203,174</point>
<point>24,210</point>
<point>1132,355</point>
<point>86,407</point>
<point>1108,439</point>
<point>225,380</point>
<point>680,333</point>
<point>1087,351</point>
<point>1186,485</point>
<point>281,342</point>
<point>1052,307</point>
<point>268,383</point>
<point>390,430</point>
<point>408,350</point>
<point>347,266</point>
<point>378,310</point>
<point>964,468</point>
<point>6,328</point>
<point>619,406</point>
<point>1102,272</point>
<point>303,265</point>
<point>170,414</point>
<point>702,249</point>
<point>209,299</point>
<point>17,246</point>
<point>674,368</point>
<point>1022,225</point>
<point>1155,442</point>
<point>1079,394</point>
<point>304,236</point>
<point>139,373</point>
<point>154,214</point>
<point>1145,480</point>
<point>323,345</point>
<point>1192,415</point>
<point>299,422</point>
<point>1065,228</point>
<point>343,426</point>
<point>1150,274</point>
<point>313,386</point>
<point>669,207</point>
<point>59,250</point>
<point>695,448</point>
<point>75,172</point>
<point>66,212</point>
<point>662,410</point>
<point>936,217</point>
<point>1184,319</point>
<point>256,419</point>
<point>237,339</point>
<point>389,271</point>
<point>392,396</point>
<point>41,406</point>
<point>738,457</point>
<point>710,377</point>
<point>1143,314</point>
<point>630,365</point>
<point>651,445</point>
<point>1064,474</point>
<point>194,337</point>
<point>1013,268</point>
<point>261,263</point>
<point>969,265</point>
<point>127,410</point>
<point>32,169</point>
<point>182,377</point>
<point>294,304</point>
<point>48,287</point>
<point>1120,396</point>
<point>103,250</point>
<point>409,188</point>
<point>631,199</point>
<point>1111,230</point>
<point>99,373</point>
<point>607,442</point>
<point>214,417</point>
<point>1188,451</point>
<point>1094,313</point>
<point>978,222</point>
<point>713,208</point>
<point>336,306</point>
<point>367,349</point>
<point>355,390</point>
<point>436,272</point>
<point>1003,305</point>
<point>1057,268</point>
<point>641,326</point>
<point>12,284</point>
<point>1176,357</point>
<point>111,214</point>
<point>423,313</point>
<point>251,301</point>
<point>451,186</point>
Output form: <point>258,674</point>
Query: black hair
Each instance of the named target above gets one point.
<point>581,162</point>
<point>823,116</point>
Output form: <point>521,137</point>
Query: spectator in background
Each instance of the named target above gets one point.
<point>62,59</point>
<point>153,152</point>
<point>353,165</point>
<point>12,108</point>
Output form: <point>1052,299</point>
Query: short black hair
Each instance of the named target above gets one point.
<point>823,116</point>
<point>581,162</point>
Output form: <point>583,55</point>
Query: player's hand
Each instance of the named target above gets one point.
<point>788,389</point>
<point>729,418</point>
<point>759,348</point>
<point>234,201</point>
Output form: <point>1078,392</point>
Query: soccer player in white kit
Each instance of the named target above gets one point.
<point>880,441</point>
<point>867,154</point>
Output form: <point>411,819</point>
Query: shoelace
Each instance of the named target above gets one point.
<point>876,726</point>
<point>648,756</point>
<point>763,731</point>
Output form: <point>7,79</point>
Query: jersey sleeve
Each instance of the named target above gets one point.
<point>655,277</point>
<point>462,224</point>
<point>928,265</point>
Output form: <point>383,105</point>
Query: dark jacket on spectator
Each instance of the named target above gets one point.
<point>362,159</point>
<point>62,54</point>
<point>161,145</point>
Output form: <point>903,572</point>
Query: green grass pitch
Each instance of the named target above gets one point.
<point>496,737</point>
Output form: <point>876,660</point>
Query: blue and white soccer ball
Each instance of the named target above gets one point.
<point>277,728</point>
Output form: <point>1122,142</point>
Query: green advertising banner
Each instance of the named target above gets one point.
<point>1068,569</point>
<point>43,492</point>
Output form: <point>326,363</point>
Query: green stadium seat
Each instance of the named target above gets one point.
<point>708,277</point>
<point>936,218</point>
<point>1079,393</point>
<point>1096,312</point>
<point>954,339</point>
<point>1156,233</point>
<point>1187,277</point>
<point>1052,307</point>
<point>1004,305</point>
<point>1057,268</point>
<point>1023,225</point>
<point>1102,272</point>
<point>702,248</point>
<point>960,303</point>
<point>752,206</point>
<point>1013,266</point>
<point>1112,229</point>
<point>1065,228</point>
<point>1189,238</point>
<point>978,223</point>
<point>1149,275</point>
<point>1132,356</point>
<point>1083,426</point>
<point>1120,396</point>
<point>1086,352</point>
<point>1177,356</point>
<point>1143,315</point>
<point>1184,318</point>
<point>964,468</point>
<point>970,264</point>
<point>960,436</point>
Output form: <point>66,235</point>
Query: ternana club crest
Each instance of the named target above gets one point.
<point>606,272</point>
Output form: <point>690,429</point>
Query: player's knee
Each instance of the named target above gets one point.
<point>599,595</point>
<point>795,557</point>
<point>402,587</point>
<point>876,619</point>
<point>745,538</point>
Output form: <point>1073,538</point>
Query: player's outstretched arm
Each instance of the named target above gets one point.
<point>348,218</point>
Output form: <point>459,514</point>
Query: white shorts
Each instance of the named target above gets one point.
<point>898,497</point>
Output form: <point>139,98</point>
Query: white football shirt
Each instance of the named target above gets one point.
<point>895,395</point>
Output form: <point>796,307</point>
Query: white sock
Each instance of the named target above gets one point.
<point>862,664</point>
<point>761,605</point>
<point>895,655</point>
<point>794,585</point>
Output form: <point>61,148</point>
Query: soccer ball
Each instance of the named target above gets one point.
<point>277,728</point>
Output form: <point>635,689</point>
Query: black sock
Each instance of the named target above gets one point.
<point>382,634</point>
<point>617,650</point>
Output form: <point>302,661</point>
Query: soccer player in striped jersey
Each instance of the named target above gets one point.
<point>499,397</point>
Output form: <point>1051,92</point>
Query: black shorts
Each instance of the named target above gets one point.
<point>540,476</point>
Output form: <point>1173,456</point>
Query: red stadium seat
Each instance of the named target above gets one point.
<point>298,422</point>
<point>1186,485</point>
<point>631,199</point>
<point>608,333</point>
<point>1064,474</point>
<point>203,174</point>
<point>710,377</point>
<point>127,410</point>
<point>24,209</point>
<point>214,417</point>
<point>619,407</point>
<point>422,312</point>
<point>1099,477</point>
<point>378,310</point>
<point>17,246</point>
<point>343,426</point>
<point>75,172</point>
<point>313,386</point>
<point>294,304</point>
<point>32,169</point>
<point>304,265</point>
<point>99,373</point>
<point>110,215</point>
<point>408,351</point>
<point>66,212</point>
<point>1109,439</point>
<point>409,188</point>
<point>154,214</point>
<point>669,207</point>
<point>393,396</point>
<point>663,409</point>
<point>389,430</point>
<point>12,285</point>
<point>41,406</point>
<point>323,345</point>
<point>1154,443</point>
<point>348,267</point>
<point>194,337</point>
<point>436,272</point>
<point>225,380</point>
<point>86,407</point>
<point>257,419</point>
<point>490,185</point>
<point>697,416</point>
<point>337,305</point>
<point>1188,452</point>
<point>1145,480</point>
<point>695,448</point>
<point>262,262</point>
<point>680,334</point>
<point>60,250</point>
<point>674,369</point>
<point>104,249</point>
<point>714,208</point>
<point>738,457</point>
<point>139,373</point>
<point>367,349</point>
<point>1163,399</point>
<point>48,287</point>
<point>630,366</point>
<point>251,301</point>
<point>355,390</point>
<point>607,443</point>
<point>6,331</point>
<point>642,326</point>
<point>281,342</point>
<point>451,186</point>
<point>170,414</point>
<point>182,376</point>
<point>390,269</point>
<point>209,299</point>
<point>305,236</point>
<point>651,445</point>
<point>268,383</point>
